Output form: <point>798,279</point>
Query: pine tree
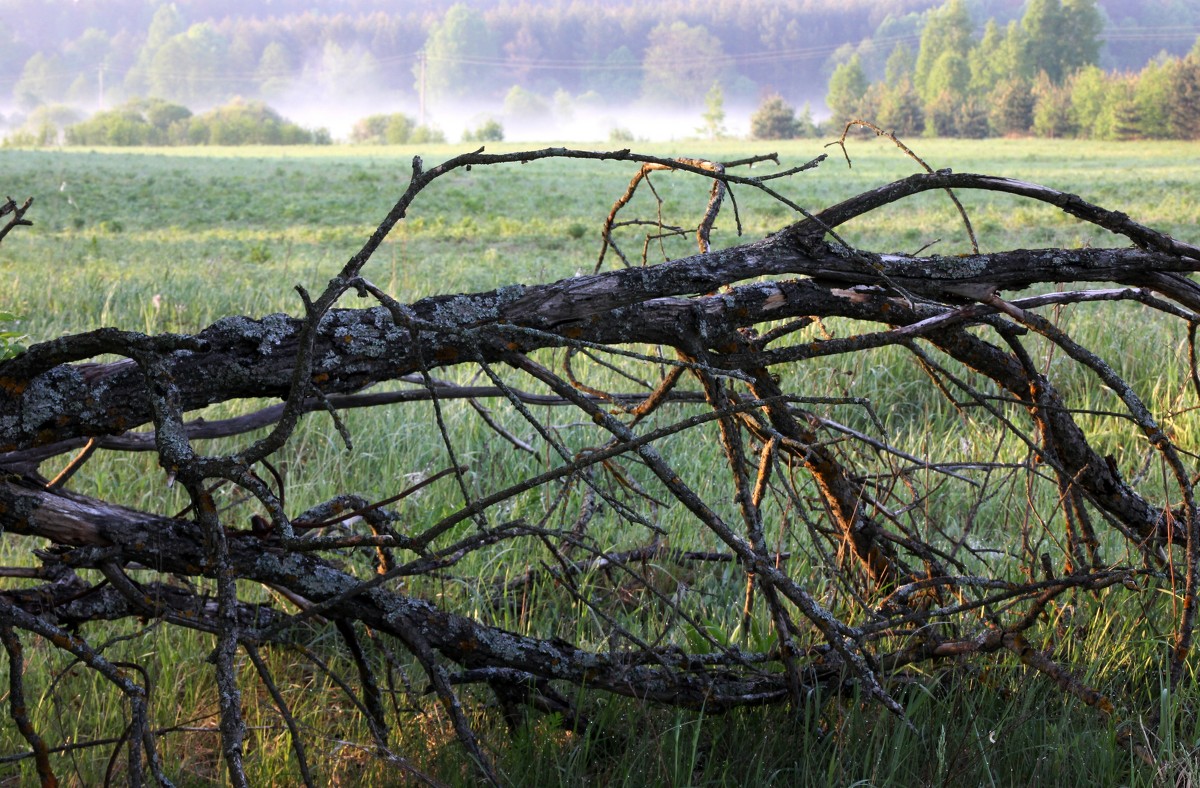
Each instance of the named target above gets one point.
<point>941,116</point>
<point>1126,119</point>
<point>1152,94</point>
<point>1051,108</point>
<point>773,120</point>
<point>1011,107</point>
<point>1183,111</point>
<point>900,111</point>
<point>805,125</point>
<point>714,113</point>
<point>971,121</point>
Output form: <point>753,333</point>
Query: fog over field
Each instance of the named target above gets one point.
<point>547,70</point>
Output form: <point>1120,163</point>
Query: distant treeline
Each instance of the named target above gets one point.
<point>913,66</point>
<point>158,122</point>
<point>668,52</point>
<point>1036,75</point>
<point>201,54</point>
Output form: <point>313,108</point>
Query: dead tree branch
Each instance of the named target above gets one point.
<point>836,525</point>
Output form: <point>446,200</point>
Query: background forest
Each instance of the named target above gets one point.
<point>549,68</point>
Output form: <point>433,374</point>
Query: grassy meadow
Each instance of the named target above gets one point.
<point>171,240</point>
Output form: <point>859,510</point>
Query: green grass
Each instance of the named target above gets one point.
<point>171,240</point>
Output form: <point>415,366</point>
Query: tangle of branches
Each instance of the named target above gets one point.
<point>856,555</point>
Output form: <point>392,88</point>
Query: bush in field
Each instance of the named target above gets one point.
<point>488,131</point>
<point>137,122</point>
<point>158,122</point>
<point>393,129</point>
<point>247,123</point>
<point>43,126</point>
<point>427,135</point>
<point>620,134</point>
<point>399,129</point>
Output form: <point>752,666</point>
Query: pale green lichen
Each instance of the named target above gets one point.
<point>269,331</point>
<point>464,310</point>
<point>48,396</point>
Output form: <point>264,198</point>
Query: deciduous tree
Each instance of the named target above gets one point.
<point>459,57</point>
<point>947,31</point>
<point>1061,36</point>
<point>680,64</point>
<point>847,87</point>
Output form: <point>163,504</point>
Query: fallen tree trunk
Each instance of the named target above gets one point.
<point>914,591</point>
<point>241,357</point>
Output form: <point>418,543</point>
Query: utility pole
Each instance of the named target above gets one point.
<point>421,90</point>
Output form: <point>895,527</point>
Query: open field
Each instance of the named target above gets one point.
<point>172,240</point>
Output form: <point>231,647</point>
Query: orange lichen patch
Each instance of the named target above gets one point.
<point>446,354</point>
<point>65,642</point>
<point>320,377</point>
<point>13,386</point>
<point>513,346</point>
<point>347,339</point>
<point>574,332</point>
